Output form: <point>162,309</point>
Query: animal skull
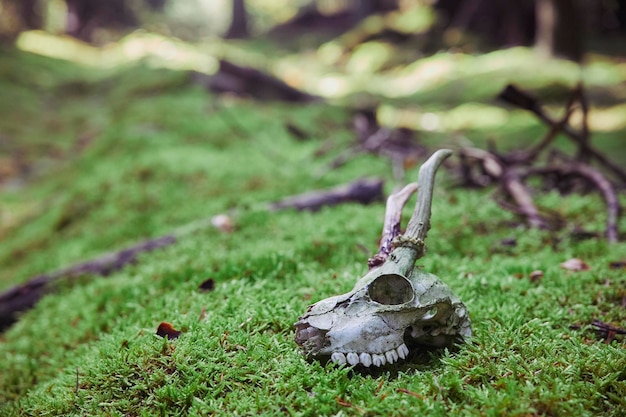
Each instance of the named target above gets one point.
<point>385,316</point>
<point>394,308</point>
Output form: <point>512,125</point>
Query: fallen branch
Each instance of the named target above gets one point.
<point>513,184</point>
<point>606,330</point>
<point>510,182</point>
<point>594,176</point>
<point>24,296</point>
<point>363,191</point>
<point>521,99</point>
<point>398,145</point>
<point>246,81</point>
<point>510,170</point>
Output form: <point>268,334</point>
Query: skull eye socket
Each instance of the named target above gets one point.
<point>391,289</point>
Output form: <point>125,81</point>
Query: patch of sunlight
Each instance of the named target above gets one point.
<point>505,59</point>
<point>269,13</point>
<point>474,116</point>
<point>333,86</point>
<point>417,19</point>
<point>606,119</point>
<point>160,51</point>
<point>330,53</point>
<point>61,47</point>
<point>466,116</point>
<point>422,74</point>
<point>369,57</point>
<point>519,64</point>
<point>56,16</point>
<point>603,72</point>
<point>372,24</point>
<point>411,118</point>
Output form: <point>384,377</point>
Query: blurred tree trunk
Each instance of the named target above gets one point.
<point>85,16</point>
<point>239,24</point>
<point>30,13</point>
<point>17,16</point>
<point>560,29</point>
<point>501,23</point>
<point>157,5</point>
<point>364,8</point>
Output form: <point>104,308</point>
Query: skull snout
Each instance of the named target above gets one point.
<point>310,338</point>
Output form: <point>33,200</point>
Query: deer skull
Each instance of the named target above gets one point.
<point>394,308</point>
<point>385,316</point>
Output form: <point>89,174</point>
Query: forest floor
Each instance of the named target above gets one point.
<point>96,159</point>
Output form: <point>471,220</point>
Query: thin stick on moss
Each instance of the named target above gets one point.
<point>602,184</point>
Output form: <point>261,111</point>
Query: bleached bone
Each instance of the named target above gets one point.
<point>395,308</point>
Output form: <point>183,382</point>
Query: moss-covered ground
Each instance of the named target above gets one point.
<point>95,161</point>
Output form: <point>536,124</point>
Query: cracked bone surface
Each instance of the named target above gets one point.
<point>395,308</point>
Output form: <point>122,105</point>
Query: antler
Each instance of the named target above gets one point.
<point>412,242</point>
<point>391,226</point>
<point>420,221</point>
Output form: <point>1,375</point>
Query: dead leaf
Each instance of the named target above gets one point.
<point>618,265</point>
<point>411,393</point>
<point>345,403</point>
<point>575,264</point>
<point>536,275</point>
<point>207,285</point>
<point>166,329</point>
<point>510,242</point>
<point>223,222</point>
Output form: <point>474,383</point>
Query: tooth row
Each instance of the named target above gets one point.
<point>367,359</point>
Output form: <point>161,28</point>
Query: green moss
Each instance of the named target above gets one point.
<point>165,153</point>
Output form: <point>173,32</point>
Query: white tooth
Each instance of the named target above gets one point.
<point>403,351</point>
<point>392,356</point>
<point>366,359</point>
<point>378,359</point>
<point>338,358</point>
<point>353,358</point>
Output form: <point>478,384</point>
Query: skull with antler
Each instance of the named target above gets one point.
<point>395,307</point>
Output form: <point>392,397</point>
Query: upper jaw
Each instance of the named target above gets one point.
<point>319,343</point>
<point>368,359</point>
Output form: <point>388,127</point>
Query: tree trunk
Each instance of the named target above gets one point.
<point>17,16</point>
<point>559,29</point>
<point>239,24</point>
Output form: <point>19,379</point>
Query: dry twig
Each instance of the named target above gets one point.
<point>511,169</point>
<point>24,296</point>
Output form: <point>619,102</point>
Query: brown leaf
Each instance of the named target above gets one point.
<point>536,275</point>
<point>575,264</point>
<point>618,265</point>
<point>345,403</point>
<point>411,393</point>
<point>166,329</point>
<point>207,285</point>
<point>223,222</point>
